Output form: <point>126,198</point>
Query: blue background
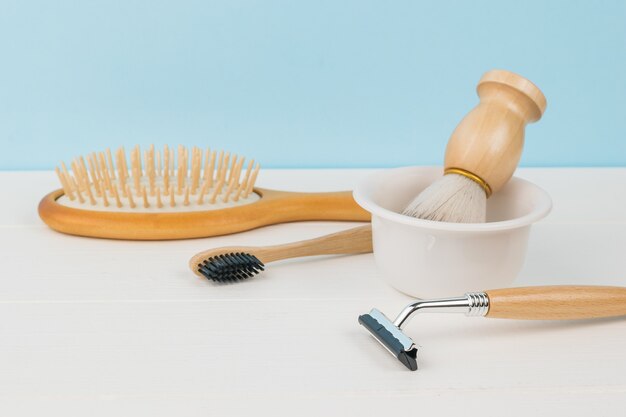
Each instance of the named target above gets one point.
<point>304,84</point>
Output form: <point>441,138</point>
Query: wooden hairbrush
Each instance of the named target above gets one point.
<point>177,195</point>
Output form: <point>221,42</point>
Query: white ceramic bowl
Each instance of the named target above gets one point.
<point>425,258</point>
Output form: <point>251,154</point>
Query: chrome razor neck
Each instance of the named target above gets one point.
<point>471,304</point>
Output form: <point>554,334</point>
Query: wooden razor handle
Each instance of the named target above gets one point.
<point>488,142</point>
<point>557,302</point>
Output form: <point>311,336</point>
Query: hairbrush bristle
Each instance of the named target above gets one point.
<point>161,178</point>
<point>452,198</point>
<point>230,267</point>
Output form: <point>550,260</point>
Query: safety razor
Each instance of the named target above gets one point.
<point>525,303</point>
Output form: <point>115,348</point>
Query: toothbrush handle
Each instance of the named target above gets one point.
<point>557,302</point>
<point>352,241</point>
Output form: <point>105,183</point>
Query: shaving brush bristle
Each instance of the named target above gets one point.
<point>452,198</point>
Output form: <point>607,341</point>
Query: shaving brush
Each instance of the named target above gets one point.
<point>483,151</point>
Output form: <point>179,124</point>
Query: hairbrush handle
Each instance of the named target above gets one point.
<point>288,206</point>
<point>488,142</point>
<point>557,302</point>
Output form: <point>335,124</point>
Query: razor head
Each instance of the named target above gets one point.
<point>391,337</point>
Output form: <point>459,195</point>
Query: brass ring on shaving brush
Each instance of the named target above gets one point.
<point>471,176</point>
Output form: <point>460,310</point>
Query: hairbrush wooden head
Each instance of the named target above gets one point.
<point>177,195</point>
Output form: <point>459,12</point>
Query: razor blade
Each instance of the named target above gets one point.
<point>390,335</point>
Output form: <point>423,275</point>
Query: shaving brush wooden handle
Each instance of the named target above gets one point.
<point>487,144</point>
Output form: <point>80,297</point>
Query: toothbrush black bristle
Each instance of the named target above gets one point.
<point>230,267</point>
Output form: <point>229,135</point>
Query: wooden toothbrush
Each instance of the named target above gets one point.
<point>235,263</point>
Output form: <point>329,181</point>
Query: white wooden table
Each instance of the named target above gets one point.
<point>111,328</point>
